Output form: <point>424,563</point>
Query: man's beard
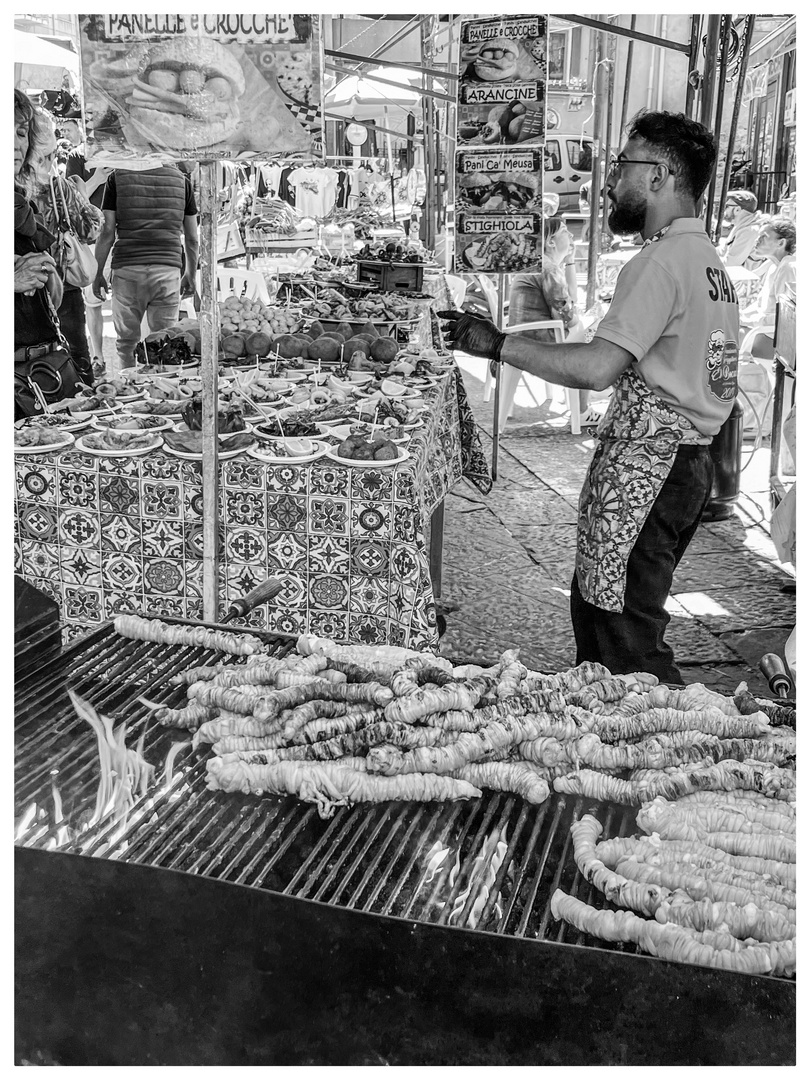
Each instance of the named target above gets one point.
<point>629,217</point>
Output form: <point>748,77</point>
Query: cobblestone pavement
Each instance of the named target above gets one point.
<point>509,557</point>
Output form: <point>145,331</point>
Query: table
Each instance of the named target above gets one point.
<point>102,535</point>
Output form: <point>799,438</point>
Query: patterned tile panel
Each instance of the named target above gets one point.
<point>105,535</point>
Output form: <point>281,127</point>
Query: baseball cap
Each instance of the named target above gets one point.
<point>746,199</point>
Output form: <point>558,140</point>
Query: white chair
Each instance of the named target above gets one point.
<point>458,289</point>
<point>755,383</point>
<point>511,378</point>
<point>237,282</point>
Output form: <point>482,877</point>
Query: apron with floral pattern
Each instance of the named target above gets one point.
<point>638,439</point>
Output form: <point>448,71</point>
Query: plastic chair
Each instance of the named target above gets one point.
<point>238,282</point>
<point>458,289</point>
<point>755,383</point>
<point>511,378</point>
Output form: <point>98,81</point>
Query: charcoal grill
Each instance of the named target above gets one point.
<point>271,936</point>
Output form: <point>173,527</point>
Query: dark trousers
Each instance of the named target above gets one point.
<point>72,321</point>
<point>633,640</point>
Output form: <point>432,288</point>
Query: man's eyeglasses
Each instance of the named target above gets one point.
<point>615,164</point>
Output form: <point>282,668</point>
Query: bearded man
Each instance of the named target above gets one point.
<point>668,346</point>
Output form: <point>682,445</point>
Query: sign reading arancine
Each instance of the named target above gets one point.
<point>532,26</point>
<point>162,87</point>
<point>234,27</point>
<point>490,95</point>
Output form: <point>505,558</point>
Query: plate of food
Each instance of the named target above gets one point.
<point>188,444</point>
<point>109,443</point>
<point>360,452</point>
<point>289,451</point>
<point>150,407</point>
<point>34,438</point>
<point>133,423</point>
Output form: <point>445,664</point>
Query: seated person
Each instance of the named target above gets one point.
<point>741,213</point>
<point>776,245</point>
<point>548,295</point>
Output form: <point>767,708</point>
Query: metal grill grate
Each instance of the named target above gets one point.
<point>379,859</point>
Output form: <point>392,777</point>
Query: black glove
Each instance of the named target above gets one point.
<point>472,334</point>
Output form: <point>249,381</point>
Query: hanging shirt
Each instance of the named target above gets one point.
<point>315,191</point>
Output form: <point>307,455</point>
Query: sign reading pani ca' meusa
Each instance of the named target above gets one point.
<point>508,180</point>
<point>162,87</point>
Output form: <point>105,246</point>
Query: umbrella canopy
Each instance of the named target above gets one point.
<point>41,65</point>
<point>363,98</point>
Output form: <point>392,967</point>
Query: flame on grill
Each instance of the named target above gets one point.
<point>124,778</point>
<point>480,880</point>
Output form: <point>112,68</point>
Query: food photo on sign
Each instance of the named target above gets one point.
<point>502,75</point>
<point>506,181</point>
<point>159,87</point>
<point>498,243</point>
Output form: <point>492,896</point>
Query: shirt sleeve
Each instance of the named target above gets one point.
<point>191,204</point>
<point>642,306</point>
<point>110,199</point>
<point>76,166</point>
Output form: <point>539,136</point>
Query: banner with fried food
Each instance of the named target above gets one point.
<point>160,88</point>
<point>502,81</point>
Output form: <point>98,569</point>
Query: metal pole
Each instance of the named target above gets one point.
<point>735,116</point>
<point>209,363</point>
<point>627,71</point>
<point>611,78</point>
<point>496,435</point>
<point>596,178</point>
<point>709,64</point>
<point>691,86</point>
<point>427,135</point>
<point>718,117</point>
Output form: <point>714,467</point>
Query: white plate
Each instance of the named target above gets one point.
<point>61,440</point>
<point>130,397</point>
<point>155,443</point>
<point>103,424</point>
<point>223,455</point>
<point>265,455</point>
<point>360,464</point>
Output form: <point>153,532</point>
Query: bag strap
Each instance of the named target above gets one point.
<point>59,185</point>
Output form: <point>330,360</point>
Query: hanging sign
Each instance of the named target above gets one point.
<point>498,243</point>
<point>356,134</point>
<point>162,87</point>
<point>501,131</point>
<point>502,81</point>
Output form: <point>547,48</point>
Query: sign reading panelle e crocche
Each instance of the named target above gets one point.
<point>162,87</point>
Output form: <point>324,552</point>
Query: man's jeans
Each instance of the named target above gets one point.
<point>633,640</point>
<point>153,291</point>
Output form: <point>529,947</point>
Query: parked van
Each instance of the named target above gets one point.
<point>568,164</point>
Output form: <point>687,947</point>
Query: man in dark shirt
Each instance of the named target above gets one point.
<point>149,216</point>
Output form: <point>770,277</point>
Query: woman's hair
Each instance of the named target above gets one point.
<point>551,226</point>
<point>42,133</point>
<point>785,230</point>
<point>25,111</point>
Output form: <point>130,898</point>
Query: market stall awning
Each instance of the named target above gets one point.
<point>41,65</point>
<point>364,98</point>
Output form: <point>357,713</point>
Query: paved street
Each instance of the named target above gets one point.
<point>509,557</point>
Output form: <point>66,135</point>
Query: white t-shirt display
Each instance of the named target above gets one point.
<point>315,191</point>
